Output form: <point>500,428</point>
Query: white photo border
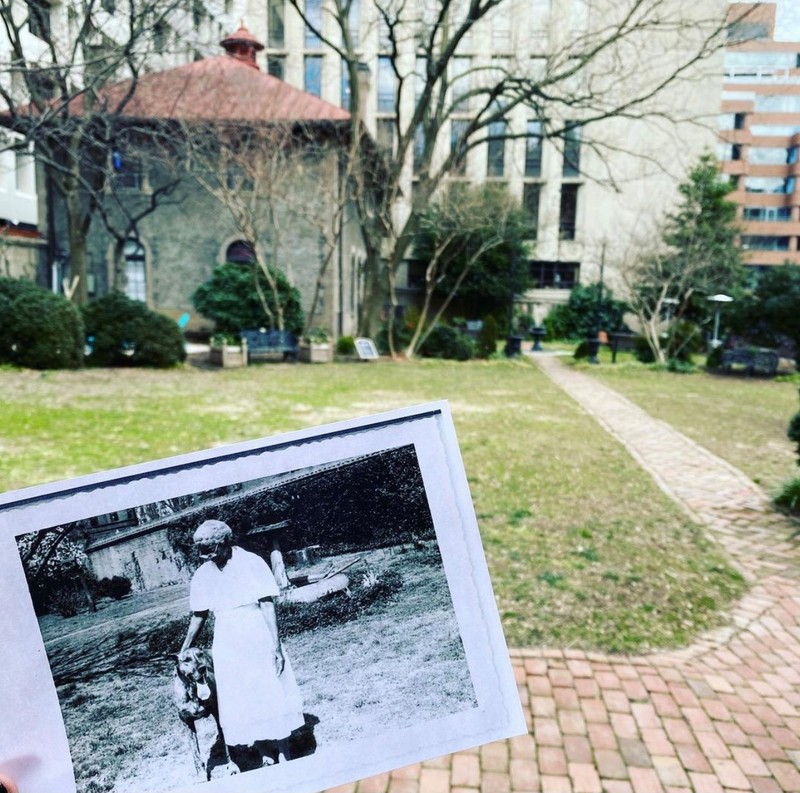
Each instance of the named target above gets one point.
<point>35,750</point>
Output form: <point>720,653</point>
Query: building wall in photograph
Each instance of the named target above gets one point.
<point>147,560</point>
<point>760,129</point>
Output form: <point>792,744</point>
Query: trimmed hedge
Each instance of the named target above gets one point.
<point>124,332</point>
<point>38,329</point>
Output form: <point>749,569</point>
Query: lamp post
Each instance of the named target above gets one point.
<point>594,340</point>
<point>718,301</point>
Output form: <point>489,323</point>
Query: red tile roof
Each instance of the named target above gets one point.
<point>221,88</point>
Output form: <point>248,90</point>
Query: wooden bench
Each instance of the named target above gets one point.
<point>752,360</point>
<point>262,343</point>
<point>625,342</point>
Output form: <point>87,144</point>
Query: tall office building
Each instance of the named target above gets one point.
<point>586,204</point>
<point>760,128</point>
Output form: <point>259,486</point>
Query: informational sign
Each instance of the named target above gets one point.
<point>366,349</point>
<point>362,538</point>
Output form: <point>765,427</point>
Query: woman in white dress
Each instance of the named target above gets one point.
<point>258,696</point>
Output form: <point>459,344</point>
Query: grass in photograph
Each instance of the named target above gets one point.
<point>584,549</point>
<point>741,419</point>
<point>400,662</point>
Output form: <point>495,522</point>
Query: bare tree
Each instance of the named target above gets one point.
<point>62,58</point>
<point>269,178</point>
<point>613,62</point>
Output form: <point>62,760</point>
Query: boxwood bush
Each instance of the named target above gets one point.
<point>230,299</point>
<point>124,332</point>
<point>38,329</point>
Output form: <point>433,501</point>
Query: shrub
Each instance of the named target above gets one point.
<point>793,433</point>
<point>230,299</point>
<point>585,313</point>
<point>38,329</point>
<point>685,339</point>
<point>581,351</point>
<point>115,587</point>
<point>714,358</point>
<point>446,342</point>
<point>124,332</point>
<point>345,345</point>
<point>558,323</point>
<point>788,499</point>
<point>487,338</point>
<point>642,351</point>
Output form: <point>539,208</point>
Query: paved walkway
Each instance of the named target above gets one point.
<point>721,716</point>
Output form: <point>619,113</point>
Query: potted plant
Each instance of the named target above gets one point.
<point>315,346</point>
<point>227,351</point>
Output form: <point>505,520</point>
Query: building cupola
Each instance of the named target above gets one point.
<point>243,46</point>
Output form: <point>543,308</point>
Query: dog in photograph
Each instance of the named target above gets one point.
<point>195,693</point>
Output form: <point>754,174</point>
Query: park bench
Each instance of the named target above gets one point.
<point>263,343</point>
<point>752,360</point>
<point>625,342</point>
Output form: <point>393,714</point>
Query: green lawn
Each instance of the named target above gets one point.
<point>741,419</point>
<point>583,548</point>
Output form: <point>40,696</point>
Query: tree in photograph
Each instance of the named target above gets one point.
<point>61,59</point>
<point>466,241</point>
<point>697,257</point>
<point>438,105</point>
<point>54,561</point>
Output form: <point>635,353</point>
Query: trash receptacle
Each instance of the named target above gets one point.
<point>513,346</point>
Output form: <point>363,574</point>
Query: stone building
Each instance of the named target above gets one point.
<point>177,140</point>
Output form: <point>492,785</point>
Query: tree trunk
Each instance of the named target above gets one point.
<point>77,246</point>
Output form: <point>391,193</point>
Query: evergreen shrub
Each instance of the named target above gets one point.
<point>38,329</point>
<point>447,342</point>
<point>345,345</point>
<point>124,332</point>
<point>487,338</point>
<point>231,299</point>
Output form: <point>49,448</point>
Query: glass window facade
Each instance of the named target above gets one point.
<point>312,74</point>
<point>387,85</point>
<point>554,275</point>
<point>568,215</point>
<point>779,214</point>
<point>533,149</point>
<point>135,271</point>
<point>572,151</point>
<point>496,149</point>
<point>767,156</point>
<point>276,14</point>
<point>531,194</point>
<point>314,17</point>
<point>764,243</point>
<point>768,184</point>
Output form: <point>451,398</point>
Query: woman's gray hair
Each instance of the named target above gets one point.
<point>213,531</point>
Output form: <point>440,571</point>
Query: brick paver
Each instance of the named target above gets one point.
<point>720,715</point>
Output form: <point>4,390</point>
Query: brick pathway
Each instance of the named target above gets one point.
<point>721,716</point>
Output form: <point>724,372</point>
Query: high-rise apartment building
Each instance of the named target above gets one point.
<point>760,129</point>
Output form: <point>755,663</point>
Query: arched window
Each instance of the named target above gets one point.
<point>135,271</point>
<point>240,252</point>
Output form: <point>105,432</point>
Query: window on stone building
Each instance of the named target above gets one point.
<point>240,252</point>
<point>460,80</point>
<point>135,271</point>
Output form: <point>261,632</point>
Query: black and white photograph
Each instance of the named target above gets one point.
<point>286,620</point>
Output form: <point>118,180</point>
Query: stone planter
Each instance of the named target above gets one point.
<point>315,353</point>
<point>227,355</point>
